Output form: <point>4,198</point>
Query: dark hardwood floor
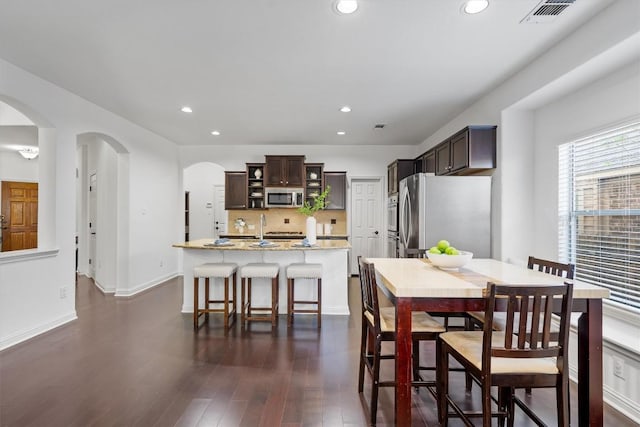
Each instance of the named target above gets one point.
<point>138,362</point>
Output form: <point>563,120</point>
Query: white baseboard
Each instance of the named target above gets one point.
<point>144,286</point>
<point>103,289</point>
<point>621,403</point>
<point>21,336</point>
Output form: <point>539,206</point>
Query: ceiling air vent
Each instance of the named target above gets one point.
<point>546,11</point>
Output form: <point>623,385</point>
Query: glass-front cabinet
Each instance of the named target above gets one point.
<point>255,185</point>
<point>313,174</point>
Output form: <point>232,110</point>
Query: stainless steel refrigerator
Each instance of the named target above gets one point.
<point>453,208</point>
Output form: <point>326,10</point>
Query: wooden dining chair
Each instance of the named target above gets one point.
<point>378,326</point>
<point>476,318</point>
<point>521,356</point>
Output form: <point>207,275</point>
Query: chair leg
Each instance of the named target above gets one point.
<point>505,404</point>
<point>415,361</point>
<point>195,302</point>
<point>363,350</point>
<point>375,384</point>
<point>562,397</point>
<point>442,382</point>
<point>290,299</point>
<point>243,317</point>
<point>274,301</point>
<point>226,303</point>
<point>486,403</point>
<point>319,303</point>
<point>234,303</point>
<point>206,299</point>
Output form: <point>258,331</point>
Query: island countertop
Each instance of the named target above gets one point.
<point>332,254</point>
<point>251,245</point>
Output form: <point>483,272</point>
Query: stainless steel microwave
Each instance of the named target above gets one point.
<point>284,197</point>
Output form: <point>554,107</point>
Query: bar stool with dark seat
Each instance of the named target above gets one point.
<point>222,270</point>
<point>304,271</point>
<point>259,271</point>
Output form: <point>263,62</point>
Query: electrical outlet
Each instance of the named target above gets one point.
<point>63,292</point>
<point>161,263</point>
<point>618,367</point>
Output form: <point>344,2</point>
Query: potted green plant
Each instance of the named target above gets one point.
<point>319,202</point>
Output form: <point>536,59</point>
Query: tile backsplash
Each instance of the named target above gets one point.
<point>287,220</point>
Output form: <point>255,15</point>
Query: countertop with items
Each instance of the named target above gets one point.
<point>248,244</point>
<point>282,236</point>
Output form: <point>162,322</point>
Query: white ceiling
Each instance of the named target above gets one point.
<point>277,71</point>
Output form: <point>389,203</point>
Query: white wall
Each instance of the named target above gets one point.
<point>199,180</point>
<point>14,167</point>
<point>30,283</point>
<point>588,80</point>
<point>604,103</point>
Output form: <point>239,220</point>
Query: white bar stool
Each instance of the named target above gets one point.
<point>304,271</point>
<point>263,271</point>
<point>222,270</point>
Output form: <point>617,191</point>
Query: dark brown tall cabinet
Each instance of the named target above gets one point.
<point>396,172</point>
<point>284,171</point>
<point>235,195</point>
<point>338,192</point>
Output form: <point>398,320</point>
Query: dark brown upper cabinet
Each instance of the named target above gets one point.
<point>470,150</point>
<point>235,185</point>
<point>396,172</point>
<point>284,171</point>
<point>338,193</point>
<point>426,162</point>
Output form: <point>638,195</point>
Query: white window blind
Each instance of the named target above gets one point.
<point>599,210</point>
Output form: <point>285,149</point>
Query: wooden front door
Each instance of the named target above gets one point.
<point>19,215</point>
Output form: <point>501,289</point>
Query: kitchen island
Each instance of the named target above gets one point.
<point>332,254</point>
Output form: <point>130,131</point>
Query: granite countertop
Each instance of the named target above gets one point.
<point>280,236</point>
<point>252,245</point>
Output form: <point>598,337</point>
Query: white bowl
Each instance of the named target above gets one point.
<point>445,261</point>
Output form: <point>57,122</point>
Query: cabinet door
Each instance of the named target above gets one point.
<point>442,159</point>
<point>392,174</point>
<point>235,190</point>
<point>294,171</point>
<point>459,152</point>
<point>429,162</point>
<point>274,171</point>
<point>338,193</point>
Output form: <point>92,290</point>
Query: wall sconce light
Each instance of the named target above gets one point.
<point>29,153</point>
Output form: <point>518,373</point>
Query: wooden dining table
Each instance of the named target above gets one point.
<point>413,284</point>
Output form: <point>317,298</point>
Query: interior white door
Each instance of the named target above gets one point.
<point>366,219</point>
<point>219,214</point>
<point>93,220</point>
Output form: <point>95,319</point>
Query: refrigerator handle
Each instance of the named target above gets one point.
<point>405,209</point>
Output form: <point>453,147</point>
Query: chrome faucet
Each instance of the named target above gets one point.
<point>263,223</point>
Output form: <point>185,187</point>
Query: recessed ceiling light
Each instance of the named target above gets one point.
<point>475,6</point>
<point>215,132</point>
<point>186,109</point>
<point>345,109</point>
<point>341,132</point>
<point>346,6</point>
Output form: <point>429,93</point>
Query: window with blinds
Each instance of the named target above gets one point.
<point>599,210</point>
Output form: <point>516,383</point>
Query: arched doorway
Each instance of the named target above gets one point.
<point>102,217</point>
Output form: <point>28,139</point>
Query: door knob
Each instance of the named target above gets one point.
<point>376,233</point>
